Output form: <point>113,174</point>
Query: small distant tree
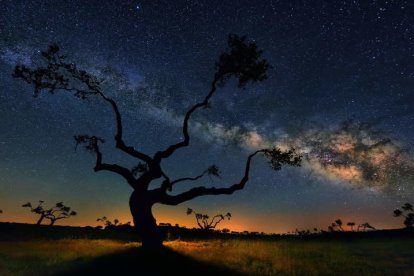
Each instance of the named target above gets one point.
<point>351,224</point>
<point>364,226</point>
<point>1,211</point>
<point>225,230</point>
<point>39,210</point>
<point>107,222</point>
<point>336,226</point>
<point>58,212</point>
<point>204,221</point>
<point>408,216</point>
<point>104,220</point>
<point>339,224</point>
<point>302,233</point>
<point>116,223</point>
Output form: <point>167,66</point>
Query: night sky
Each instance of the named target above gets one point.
<point>341,91</point>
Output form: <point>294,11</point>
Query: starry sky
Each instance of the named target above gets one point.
<point>341,91</point>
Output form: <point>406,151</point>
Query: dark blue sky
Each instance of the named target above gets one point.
<point>341,91</point>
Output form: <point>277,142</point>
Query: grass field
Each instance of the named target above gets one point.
<point>279,257</point>
<point>296,257</point>
<point>48,257</point>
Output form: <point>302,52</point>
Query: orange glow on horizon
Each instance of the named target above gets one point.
<point>238,224</point>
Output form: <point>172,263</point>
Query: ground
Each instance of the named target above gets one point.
<point>284,256</point>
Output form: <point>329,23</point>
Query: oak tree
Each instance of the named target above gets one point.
<point>241,60</point>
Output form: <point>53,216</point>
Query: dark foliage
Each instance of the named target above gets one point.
<point>57,212</point>
<point>113,225</point>
<point>278,158</point>
<point>205,222</point>
<point>408,216</point>
<point>241,60</point>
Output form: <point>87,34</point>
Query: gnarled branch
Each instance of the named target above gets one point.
<point>170,150</point>
<point>277,159</point>
<point>92,145</point>
<point>212,170</point>
<point>241,60</point>
<point>201,191</point>
<point>220,218</point>
<point>58,75</point>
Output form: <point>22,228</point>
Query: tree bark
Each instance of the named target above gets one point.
<point>141,204</point>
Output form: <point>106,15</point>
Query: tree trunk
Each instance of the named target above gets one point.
<point>40,220</point>
<point>52,222</point>
<point>140,204</point>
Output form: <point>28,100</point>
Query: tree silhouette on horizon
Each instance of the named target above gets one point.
<point>60,211</point>
<point>364,226</point>
<point>204,221</point>
<point>337,224</point>
<point>241,60</point>
<point>57,212</point>
<point>351,224</point>
<point>112,224</point>
<point>37,210</point>
<point>408,216</point>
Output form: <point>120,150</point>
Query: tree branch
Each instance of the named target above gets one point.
<point>188,178</point>
<point>170,150</point>
<point>118,137</point>
<point>197,216</point>
<point>221,217</point>
<point>241,60</point>
<point>58,75</point>
<point>167,184</point>
<point>92,145</point>
<point>276,157</point>
<point>201,191</point>
<point>212,170</point>
<point>113,168</point>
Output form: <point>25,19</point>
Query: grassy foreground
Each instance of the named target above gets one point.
<point>50,257</point>
<point>279,257</point>
<point>309,257</point>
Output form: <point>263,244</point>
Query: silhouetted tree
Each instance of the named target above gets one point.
<point>104,220</point>
<point>336,226</point>
<point>351,224</point>
<point>58,212</point>
<point>204,221</point>
<point>38,210</point>
<point>408,216</point>
<point>241,60</point>
<point>365,226</point>
<point>302,232</point>
<point>397,212</point>
<point>1,211</point>
<point>339,224</point>
<point>112,225</point>
<point>225,230</point>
